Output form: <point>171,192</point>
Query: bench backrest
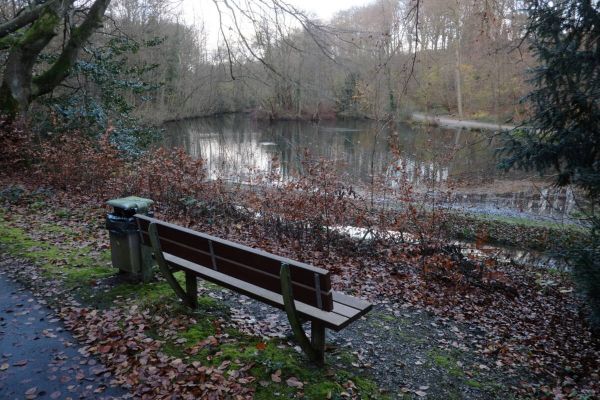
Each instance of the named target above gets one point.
<point>311,285</point>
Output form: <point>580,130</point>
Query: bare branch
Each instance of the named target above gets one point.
<point>415,10</point>
<point>225,39</point>
<point>60,69</point>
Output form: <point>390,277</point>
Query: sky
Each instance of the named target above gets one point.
<point>324,9</point>
<point>196,11</point>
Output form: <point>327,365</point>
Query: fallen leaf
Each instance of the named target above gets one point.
<point>31,391</point>
<point>294,382</point>
<point>261,345</point>
<point>104,349</point>
<point>276,376</point>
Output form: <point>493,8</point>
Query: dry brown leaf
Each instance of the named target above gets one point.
<point>105,349</point>
<point>261,345</point>
<point>294,382</point>
<point>276,376</point>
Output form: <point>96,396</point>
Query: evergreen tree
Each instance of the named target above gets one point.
<point>563,133</point>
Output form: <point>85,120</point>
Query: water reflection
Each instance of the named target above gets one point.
<point>234,146</point>
<point>237,148</point>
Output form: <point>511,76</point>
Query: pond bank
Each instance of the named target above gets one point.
<point>449,122</point>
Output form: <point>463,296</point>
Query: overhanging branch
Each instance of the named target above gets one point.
<point>25,18</point>
<point>46,82</point>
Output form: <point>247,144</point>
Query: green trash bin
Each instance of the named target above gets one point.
<point>127,253</point>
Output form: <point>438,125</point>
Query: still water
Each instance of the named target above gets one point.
<point>237,148</point>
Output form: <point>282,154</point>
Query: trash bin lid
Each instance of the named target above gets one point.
<point>131,203</point>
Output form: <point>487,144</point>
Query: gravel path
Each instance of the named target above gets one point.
<point>409,353</point>
<point>38,358</point>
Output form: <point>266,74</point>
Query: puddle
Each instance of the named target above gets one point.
<point>499,253</point>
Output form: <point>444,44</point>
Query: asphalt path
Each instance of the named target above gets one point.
<point>39,359</point>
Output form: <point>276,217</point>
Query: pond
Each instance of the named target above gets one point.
<point>461,162</point>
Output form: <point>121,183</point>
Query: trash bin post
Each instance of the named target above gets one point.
<point>147,262</point>
<point>127,253</point>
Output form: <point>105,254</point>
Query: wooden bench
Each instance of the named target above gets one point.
<point>302,290</point>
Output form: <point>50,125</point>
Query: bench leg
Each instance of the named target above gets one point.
<point>318,341</point>
<point>314,350</point>
<point>191,289</point>
<point>190,295</point>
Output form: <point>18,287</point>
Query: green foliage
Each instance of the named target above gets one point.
<point>562,134</point>
<point>105,101</point>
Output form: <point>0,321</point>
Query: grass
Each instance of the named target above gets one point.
<point>446,361</point>
<point>449,362</point>
<point>268,357</point>
<point>76,266</point>
<point>511,231</point>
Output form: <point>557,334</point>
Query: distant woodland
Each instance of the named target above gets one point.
<point>386,59</point>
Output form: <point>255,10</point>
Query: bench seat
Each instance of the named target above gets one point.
<point>345,308</point>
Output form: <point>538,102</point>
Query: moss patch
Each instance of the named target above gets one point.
<point>76,266</point>
<point>447,361</point>
<point>267,359</point>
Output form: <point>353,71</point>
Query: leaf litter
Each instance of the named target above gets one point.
<point>518,318</point>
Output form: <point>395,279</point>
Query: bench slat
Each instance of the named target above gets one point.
<point>272,283</point>
<point>144,221</point>
<point>240,271</point>
<point>350,301</point>
<point>251,265</point>
<point>271,264</point>
<point>331,320</point>
<point>344,310</point>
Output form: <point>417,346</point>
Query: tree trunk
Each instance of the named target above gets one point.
<point>457,79</point>
<point>19,87</point>
<point>16,88</point>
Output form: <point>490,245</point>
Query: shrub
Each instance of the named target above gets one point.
<point>170,176</point>
<point>76,162</point>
